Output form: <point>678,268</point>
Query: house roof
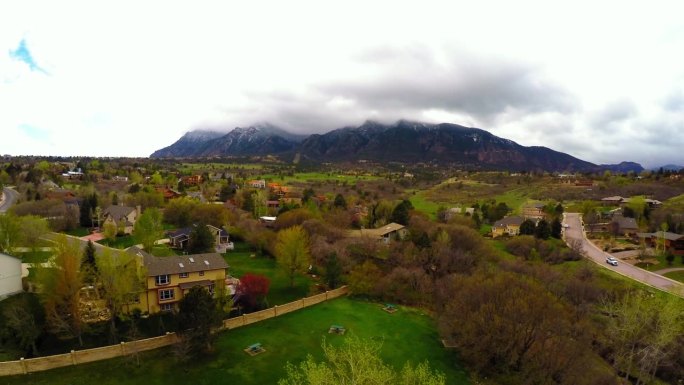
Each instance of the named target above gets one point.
<point>179,263</point>
<point>11,257</point>
<point>660,234</point>
<point>508,221</point>
<point>625,222</point>
<point>616,198</point>
<point>535,205</point>
<point>379,232</point>
<point>118,212</point>
<point>187,230</point>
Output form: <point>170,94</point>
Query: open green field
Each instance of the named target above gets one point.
<point>315,177</point>
<point>280,292</point>
<point>201,167</point>
<point>407,335</point>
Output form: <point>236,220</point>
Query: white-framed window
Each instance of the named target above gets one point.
<point>183,275</point>
<point>162,280</point>
<point>201,273</point>
<point>165,295</point>
<point>166,307</point>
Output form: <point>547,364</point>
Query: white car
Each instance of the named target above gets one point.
<point>612,261</point>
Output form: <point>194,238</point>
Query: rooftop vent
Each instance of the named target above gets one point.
<point>181,265</point>
<point>206,262</point>
<point>192,260</point>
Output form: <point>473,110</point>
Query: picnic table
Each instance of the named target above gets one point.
<point>337,329</point>
<point>390,308</point>
<point>254,349</point>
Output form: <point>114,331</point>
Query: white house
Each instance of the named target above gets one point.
<point>10,275</point>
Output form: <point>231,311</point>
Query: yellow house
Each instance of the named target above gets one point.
<point>169,278</point>
<point>507,226</point>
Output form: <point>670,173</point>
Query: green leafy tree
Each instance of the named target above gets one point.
<point>23,323</point>
<point>121,281</point>
<point>148,228</point>
<point>198,313</point>
<point>363,278</point>
<point>357,362</point>
<point>109,230</point>
<point>201,240</point>
<point>292,251</point>
<point>61,286</point>
<point>33,228</point>
<point>10,232</point>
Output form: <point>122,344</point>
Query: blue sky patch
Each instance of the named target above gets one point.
<point>34,132</point>
<point>23,54</point>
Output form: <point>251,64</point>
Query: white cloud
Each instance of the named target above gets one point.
<point>126,78</point>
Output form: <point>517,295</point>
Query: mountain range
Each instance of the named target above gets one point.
<point>404,142</point>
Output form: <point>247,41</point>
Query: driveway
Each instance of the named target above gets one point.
<point>9,197</point>
<point>574,232</point>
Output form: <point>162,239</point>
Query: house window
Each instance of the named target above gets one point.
<point>211,289</point>
<point>165,295</point>
<point>201,273</point>
<point>166,307</point>
<point>183,275</point>
<point>162,280</point>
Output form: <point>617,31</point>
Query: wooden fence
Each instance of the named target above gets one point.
<point>25,366</point>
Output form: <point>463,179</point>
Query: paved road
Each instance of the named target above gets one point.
<point>575,232</point>
<point>11,196</point>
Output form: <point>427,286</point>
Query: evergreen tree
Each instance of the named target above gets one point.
<point>527,227</point>
<point>86,219</point>
<point>333,271</point>
<point>543,229</point>
<point>198,313</point>
<point>340,202</point>
<point>400,214</point>
<point>556,228</point>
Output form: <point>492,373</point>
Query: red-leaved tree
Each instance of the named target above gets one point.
<point>252,290</point>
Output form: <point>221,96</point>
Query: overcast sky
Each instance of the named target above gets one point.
<point>600,80</point>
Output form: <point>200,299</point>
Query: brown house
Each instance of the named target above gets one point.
<point>192,180</point>
<point>534,211</point>
<point>672,242</point>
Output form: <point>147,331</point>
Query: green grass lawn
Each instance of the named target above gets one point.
<point>78,232</point>
<point>676,275</point>
<point>407,334</point>
<point>422,204</point>
<point>123,242</point>
<point>280,292</point>
<point>35,256</point>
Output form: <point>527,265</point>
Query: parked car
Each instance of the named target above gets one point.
<point>612,261</point>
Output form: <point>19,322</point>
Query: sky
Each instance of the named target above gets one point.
<point>602,81</point>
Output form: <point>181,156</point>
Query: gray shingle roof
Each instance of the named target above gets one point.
<point>179,263</point>
<point>514,220</point>
<point>118,212</point>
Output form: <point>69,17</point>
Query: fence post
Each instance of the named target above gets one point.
<point>275,310</point>
<point>303,303</point>
<point>326,295</point>
<point>73,357</point>
<point>123,349</point>
<point>23,365</point>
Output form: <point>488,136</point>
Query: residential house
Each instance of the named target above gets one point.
<point>10,275</point>
<point>533,211</point>
<point>119,178</point>
<point>257,184</point>
<point>384,233</point>
<point>507,226</point>
<point>267,220</point>
<point>123,217</point>
<point>192,180</point>
<point>611,201</point>
<point>672,242</point>
<point>197,195</point>
<point>168,279</point>
<point>179,238</point>
<point>74,174</point>
<point>624,226</point>
<point>168,193</point>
